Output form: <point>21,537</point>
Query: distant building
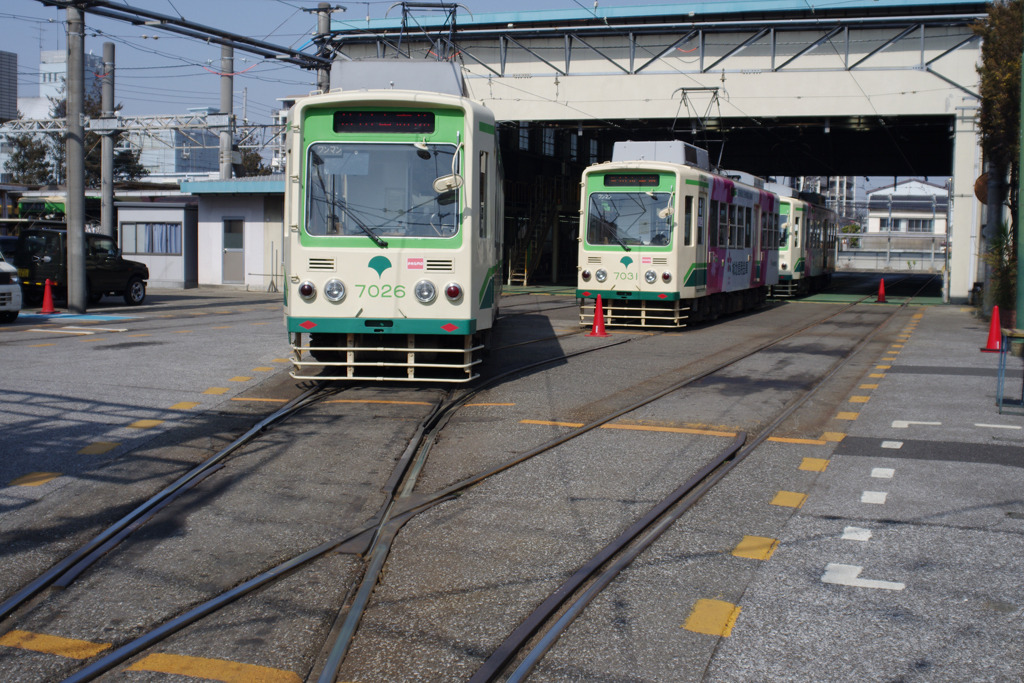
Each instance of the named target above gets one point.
<point>8,86</point>
<point>910,207</point>
<point>178,153</point>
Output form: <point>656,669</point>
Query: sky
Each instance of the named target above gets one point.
<point>161,73</point>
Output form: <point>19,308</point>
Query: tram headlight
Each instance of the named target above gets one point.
<point>307,290</point>
<point>585,275</point>
<point>783,266</point>
<point>425,291</point>
<point>334,290</point>
<point>666,277</point>
<point>651,277</point>
<point>601,275</point>
<point>453,291</point>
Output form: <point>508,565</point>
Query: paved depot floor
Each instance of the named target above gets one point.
<point>904,561</point>
<point>900,558</point>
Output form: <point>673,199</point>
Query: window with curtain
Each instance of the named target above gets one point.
<point>151,238</point>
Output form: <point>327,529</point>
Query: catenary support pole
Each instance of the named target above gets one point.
<point>107,142</point>
<point>1019,309</point>
<point>227,67</point>
<point>74,155</point>
<point>323,31</point>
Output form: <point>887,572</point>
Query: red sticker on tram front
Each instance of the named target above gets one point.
<point>415,264</point>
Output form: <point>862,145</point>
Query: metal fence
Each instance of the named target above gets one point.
<point>897,252</point>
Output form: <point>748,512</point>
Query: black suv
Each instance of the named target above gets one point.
<point>43,254</point>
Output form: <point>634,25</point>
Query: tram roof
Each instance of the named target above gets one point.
<point>687,10</point>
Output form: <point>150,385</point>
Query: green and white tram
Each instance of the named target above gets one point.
<point>393,235</point>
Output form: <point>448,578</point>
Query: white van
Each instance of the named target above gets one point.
<point>10,292</point>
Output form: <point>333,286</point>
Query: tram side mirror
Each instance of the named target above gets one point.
<point>665,213</point>
<point>447,183</point>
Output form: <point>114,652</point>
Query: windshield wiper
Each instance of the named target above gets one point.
<point>362,226</point>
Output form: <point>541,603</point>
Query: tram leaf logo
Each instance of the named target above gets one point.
<point>379,264</point>
<point>626,261</point>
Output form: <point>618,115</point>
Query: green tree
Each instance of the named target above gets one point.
<point>252,164</point>
<point>999,70</point>
<point>127,165</point>
<point>29,160</point>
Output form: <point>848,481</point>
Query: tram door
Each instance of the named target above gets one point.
<point>702,241</point>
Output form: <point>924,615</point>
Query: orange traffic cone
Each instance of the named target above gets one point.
<point>48,298</point>
<point>881,292</point>
<point>995,335</point>
<point>598,329</point>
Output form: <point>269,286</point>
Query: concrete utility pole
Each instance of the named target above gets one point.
<point>323,31</point>
<point>1019,309</point>
<point>74,152</point>
<point>227,68</point>
<point>107,140</point>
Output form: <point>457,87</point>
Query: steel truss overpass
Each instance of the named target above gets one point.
<point>773,87</point>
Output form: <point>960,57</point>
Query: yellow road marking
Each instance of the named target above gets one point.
<point>140,335</point>
<point>240,379</point>
<point>280,360</point>
<point>806,442</point>
<point>216,391</point>
<point>883,367</point>
<point>859,399</point>
<point>52,645</point>
<point>39,346</point>
<point>145,424</point>
<point>262,368</point>
<point>712,617</point>
<point>35,479</point>
<point>634,427</point>
<point>214,669</point>
<point>367,400</point>
<point>889,360</point>
<point>813,464</point>
<point>265,323</point>
<point>868,386</point>
<point>222,327</point>
<point>756,547</point>
<point>550,423</point>
<point>789,499</point>
<point>877,375</point>
<point>847,416</point>
<point>896,346</point>
<point>98,448</point>
<point>833,436</point>
<point>670,430</point>
<point>184,405</point>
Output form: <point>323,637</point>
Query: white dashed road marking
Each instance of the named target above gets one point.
<point>903,424</point>
<point>892,444</point>
<point>855,533</point>
<point>874,497</point>
<point>883,473</point>
<point>847,575</point>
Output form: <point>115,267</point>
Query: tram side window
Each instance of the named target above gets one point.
<point>713,225</point>
<point>748,225</point>
<point>723,225</point>
<point>700,220</point>
<point>796,232</point>
<point>688,221</point>
<point>483,194</point>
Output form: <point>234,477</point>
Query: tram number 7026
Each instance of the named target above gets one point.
<point>381,291</point>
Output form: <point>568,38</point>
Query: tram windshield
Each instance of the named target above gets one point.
<point>630,218</point>
<point>380,190</point>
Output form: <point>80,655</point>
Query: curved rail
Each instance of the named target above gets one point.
<point>65,571</point>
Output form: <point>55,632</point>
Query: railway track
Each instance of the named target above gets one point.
<point>372,540</point>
